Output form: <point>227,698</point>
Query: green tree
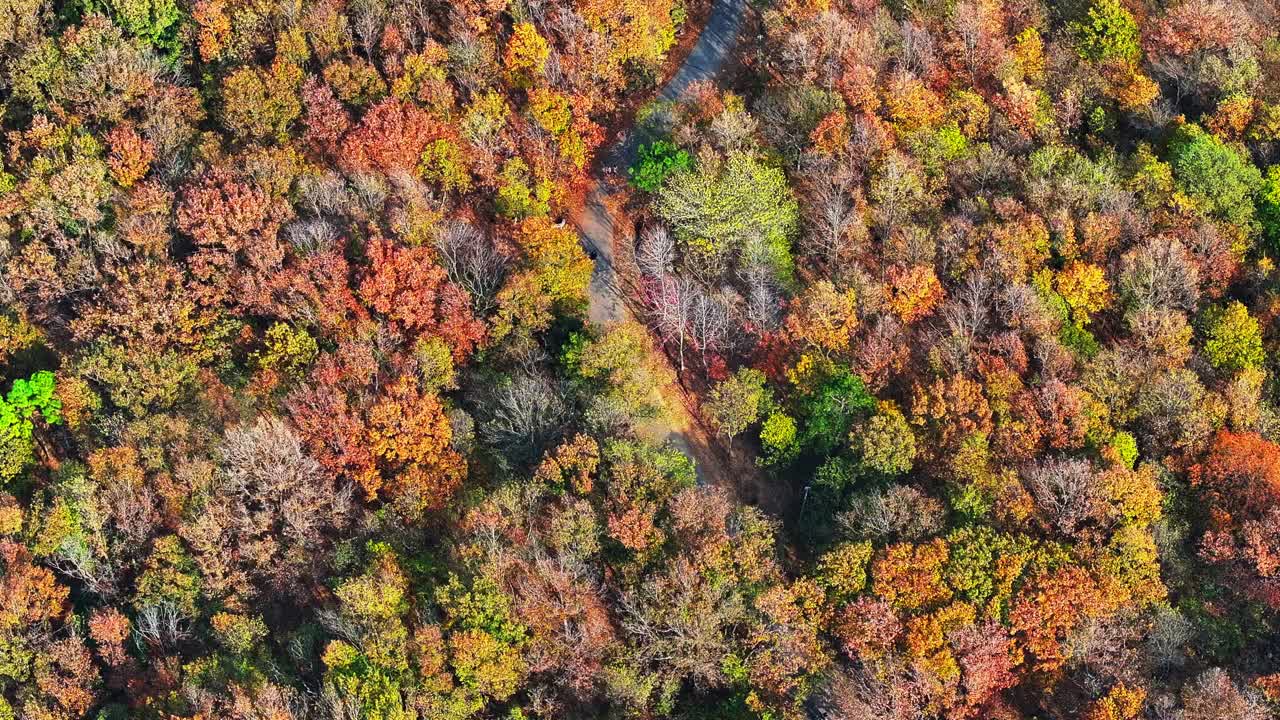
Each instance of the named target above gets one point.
<point>1108,33</point>
<point>25,398</point>
<point>1269,208</point>
<point>520,194</point>
<point>778,439</point>
<point>1233,340</point>
<point>735,403</point>
<point>718,209</point>
<point>1215,175</point>
<point>832,408</point>
<point>886,442</point>
<point>656,161</point>
<point>159,23</point>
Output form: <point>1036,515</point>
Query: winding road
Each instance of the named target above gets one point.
<point>597,226</point>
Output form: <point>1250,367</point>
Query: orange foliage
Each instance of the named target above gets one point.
<point>914,292</point>
<point>909,576</point>
<point>824,317</point>
<point>409,435</point>
<point>1051,605</point>
<point>411,290</point>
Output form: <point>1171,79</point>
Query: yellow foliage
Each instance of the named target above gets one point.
<point>824,317</point>
<point>1084,287</point>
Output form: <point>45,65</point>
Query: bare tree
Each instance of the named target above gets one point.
<point>656,252</point>
<point>1065,490</point>
<point>524,415</point>
<point>1160,274</point>
<point>160,626</point>
<point>311,235</point>
<point>832,204</point>
<point>864,693</point>
<point>710,324</point>
<point>900,512</point>
<point>1214,696</point>
<point>1168,639</point>
<point>473,262</point>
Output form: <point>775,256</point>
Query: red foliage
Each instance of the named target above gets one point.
<point>325,118</point>
<point>407,287</point>
<point>390,138</point>
<point>1240,481</point>
<point>235,225</point>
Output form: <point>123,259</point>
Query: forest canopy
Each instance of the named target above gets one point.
<point>937,383</point>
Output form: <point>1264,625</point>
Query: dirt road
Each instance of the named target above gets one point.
<point>598,226</point>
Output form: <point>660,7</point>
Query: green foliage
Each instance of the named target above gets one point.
<point>842,572</point>
<point>1233,339</point>
<point>1079,340</point>
<point>444,163</point>
<point>983,565</point>
<point>520,194</point>
<point>482,606</point>
<point>1125,447</point>
<point>27,397</point>
<point>831,409</point>
<point>1108,33</point>
<point>734,404</point>
<point>778,439</point>
<point>721,209</point>
<point>1071,333</point>
<point>287,349</point>
<point>159,23</point>
<point>374,691</point>
<point>835,476</point>
<point>886,442</point>
<point>938,149</point>
<point>1216,175</point>
<point>141,379</point>
<point>1268,203</point>
<point>169,577</point>
<point>656,161</point>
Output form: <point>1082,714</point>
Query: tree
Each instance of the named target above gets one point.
<point>719,209</point>
<point>909,576</point>
<point>655,162</point>
<point>1084,288</point>
<point>555,257</point>
<point>269,513</point>
<point>390,138</point>
<point>1233,339</point>
<point>842,572</point>
<point>156,22</point>
<point>830,408</point>
<point>778,439</point>
<point>521,193</point>
<point>409,435</point>
<point>734,404</point>
<point>885,442</point>
<point>413,292</point>
<point>1108,33</point>
<point>25,399</point>
<point>262,104</point>
<point>1120,703</point>
<point>824,317</point>
<point>1213,695</point>
<point>1216,176</point>
<point>1240,482</point>
<point>526,55</point>
<point>1066,491</point>
<point>1050,605</point>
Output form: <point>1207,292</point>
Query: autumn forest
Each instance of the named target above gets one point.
<point>640,359</point>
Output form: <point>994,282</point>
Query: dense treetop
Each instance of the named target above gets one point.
<point>301,415</point>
